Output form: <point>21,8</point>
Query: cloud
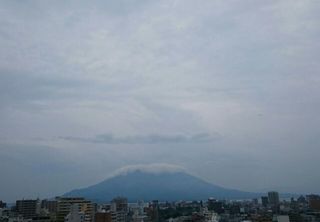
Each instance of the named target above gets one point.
<point>155,168</point>
<point>18,87</point>
<point>155,73</point>
<point>28,165</point>
<point>143,139</point>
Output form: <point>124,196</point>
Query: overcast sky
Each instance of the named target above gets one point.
<point>227,90</point>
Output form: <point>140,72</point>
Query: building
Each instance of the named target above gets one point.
<point>265,201</point>
<point>215,205</point>
<point>41,219</point>
<point>273,198</point>
<point>64,205</point>
<point>103,217</point>
<point>314,201</point>
<point>75,215</point>
<point>17,219</point>
<point>2,204</point>
<point>210,215</point>
<point>302,199</point>
<point>50,205</point>
<point>119,209</point>
<point>28,208</point>
<point>283,218</point>
<point>153,212</point>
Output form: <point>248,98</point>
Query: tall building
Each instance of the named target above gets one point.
<point>64,205</point>
<point>28,208</point>
<point>2,204</point>
<point>154,211</point>
<point>215,205</point>
<point>75,214</point>
<point>264,201</point>
<point>314,201</point>
<point>273,198</point>
<point>119,209</point>
<point>50,205</point>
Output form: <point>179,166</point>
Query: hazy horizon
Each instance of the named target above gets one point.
<point>228,91</point>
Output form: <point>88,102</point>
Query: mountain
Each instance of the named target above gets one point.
<point>163,186</point>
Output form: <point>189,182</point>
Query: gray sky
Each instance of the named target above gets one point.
<point>227,90</point>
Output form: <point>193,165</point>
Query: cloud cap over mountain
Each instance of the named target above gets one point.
<point>155,168</point>
<point>162,182</point>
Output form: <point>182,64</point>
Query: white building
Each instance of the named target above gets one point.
<point>75,214</point>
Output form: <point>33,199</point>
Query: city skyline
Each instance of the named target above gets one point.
<point>119,209</point>
<point>227,91</point>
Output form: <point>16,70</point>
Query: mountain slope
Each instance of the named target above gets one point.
<point>139,185</point>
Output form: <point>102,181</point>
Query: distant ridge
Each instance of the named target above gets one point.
<point>163,186</point>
